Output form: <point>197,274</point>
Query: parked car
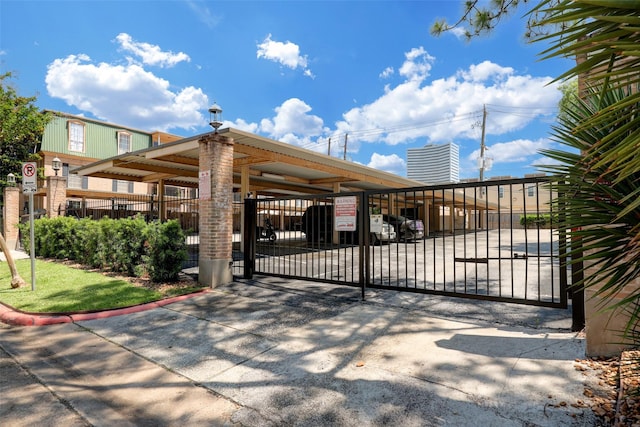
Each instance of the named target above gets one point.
<point>406,228</point>
<point>317,225</point>
<point>388,234</point>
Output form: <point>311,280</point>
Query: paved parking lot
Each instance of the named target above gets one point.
<point>274,352</point>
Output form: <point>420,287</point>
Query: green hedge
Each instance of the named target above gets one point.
<point>130,246</point>
<point>545,220</point>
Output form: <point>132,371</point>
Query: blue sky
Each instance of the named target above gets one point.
<point>301,72</point>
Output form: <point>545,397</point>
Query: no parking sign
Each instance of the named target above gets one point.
<point>29,177</point>
<point>30,186</point>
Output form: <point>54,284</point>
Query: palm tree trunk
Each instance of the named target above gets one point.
<point>16,280</point>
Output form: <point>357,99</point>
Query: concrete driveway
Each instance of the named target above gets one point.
<point>273,352</point>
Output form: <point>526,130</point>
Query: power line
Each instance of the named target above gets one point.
<point>399,128</point>
<point>525,112</point>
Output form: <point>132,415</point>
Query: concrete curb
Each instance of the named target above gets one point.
<point>14,317</point>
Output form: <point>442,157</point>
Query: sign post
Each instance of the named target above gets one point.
<point>30,186</point>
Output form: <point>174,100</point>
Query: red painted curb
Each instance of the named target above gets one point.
<point>14,317</point>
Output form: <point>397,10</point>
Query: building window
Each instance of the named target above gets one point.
<point>531,191</point>
<point>501,192</point>
<point>124,142</point>
<point>74,180</point>
<point>76,136</point>
<point>173,191</point>
<point>120,186</point>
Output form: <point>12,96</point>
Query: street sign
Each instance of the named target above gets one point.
<point>29,177</point>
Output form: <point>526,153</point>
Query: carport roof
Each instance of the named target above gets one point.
<point>273,167</point>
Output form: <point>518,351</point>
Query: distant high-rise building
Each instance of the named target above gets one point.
<point>434,164</point>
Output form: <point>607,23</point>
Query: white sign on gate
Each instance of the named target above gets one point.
<point>29,177</point>
<point>346,212</point>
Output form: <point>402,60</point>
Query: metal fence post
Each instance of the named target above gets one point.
<point>249,250</point>
<point>363,230</point>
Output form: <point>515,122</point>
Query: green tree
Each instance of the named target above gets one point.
<point>21,127</point>
<point>569,98</point>
<point>480,17</point>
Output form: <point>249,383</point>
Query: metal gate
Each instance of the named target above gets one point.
<point>493,240</point>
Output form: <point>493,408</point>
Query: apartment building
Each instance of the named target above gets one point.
<point>434,164</point>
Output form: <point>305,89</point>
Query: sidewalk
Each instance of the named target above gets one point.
<point>15,255</point>
<point>274,352</point>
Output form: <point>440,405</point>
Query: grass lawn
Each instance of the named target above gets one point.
<point>62,288</point>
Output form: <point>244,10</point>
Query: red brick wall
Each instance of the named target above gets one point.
<point>216,206</point>
<point>56,195</point>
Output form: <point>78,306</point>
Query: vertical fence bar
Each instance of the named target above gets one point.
<point>538,222</point>
<point>499,201</point>
<point>511,213</point>
<point>249,238</point>
<point>478,222</point>
<point>427,233</point>
<point>485,188</point>
<point>436,214</point>
<point>452,214</point>
<point>464,234</point>
<point>363,228</point>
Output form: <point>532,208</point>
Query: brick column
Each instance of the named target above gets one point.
<point>11,216</point>
<point>216,210</point>
<point>56,195</point>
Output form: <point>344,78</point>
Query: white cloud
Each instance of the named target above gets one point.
<point>287,54</point>
<point>459,32</point>
<point>516,151</point>
<point>485,71</point>
<point>292,118</point>
<point>449,108</point>
<point>242,125</point>
<point>150,54</point>
<point>203,13</point>
<point>513,151</point>
<point>292,124</point>
<point>386,73</point>
<point>126,94</point>
<point>417,64</point>
<point>391,163</point>
<point>434,111</point>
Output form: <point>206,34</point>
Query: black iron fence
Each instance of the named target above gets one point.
<point>297,237</point>
<point>493,240</point>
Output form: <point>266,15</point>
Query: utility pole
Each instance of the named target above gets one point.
<point>329,149</point>
<point>482,146</point>
<point>344,156</point>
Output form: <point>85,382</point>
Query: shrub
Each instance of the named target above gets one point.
<point>166,250</point>
<point>54,237</point>
<point>129,246</point>
<point>88,238</point>
<point>529,220</point>
<point>545,220</point>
